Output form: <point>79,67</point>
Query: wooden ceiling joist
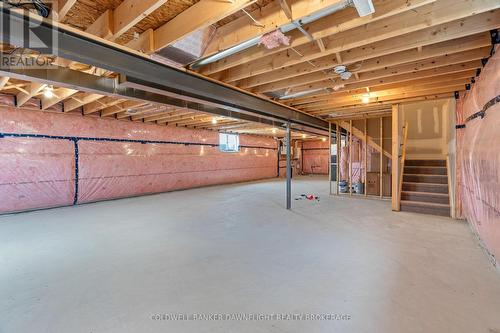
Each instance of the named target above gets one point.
<point>103,26</point>
<point>229,125</point>
<point>57,96</point>
<point>80,100</point>
<point>114,109</point>
<point>100,104</point>
<point>114,23</point>
<point>457,50</point>
<point>174,119</point>
<point>435,81</point>
<point>194,119</point>
<point>196,17</point>
<point>362,115</point>
<point>325,110</point>
<point>414,31</point>
<point>343,20</point>
<point>144,112</point>
<point>391,75</point>
<point>144,43</point>
<point>63,7</point>
<point>270,18</point>
<point>359,110</point>
<point>31,90</point>
<point>3,81</point>
<point>208,124</point>
<point>131,12</point>
<point>467,70</point>
<point>168,117</point>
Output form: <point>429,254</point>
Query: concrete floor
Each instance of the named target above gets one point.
<point>110,266</point>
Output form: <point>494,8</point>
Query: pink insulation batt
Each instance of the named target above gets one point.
<point>315,157</point>
<point>478,157</point>
<point>40,173</point>
<point>274,39</point>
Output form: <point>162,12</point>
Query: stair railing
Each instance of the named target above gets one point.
<point>402,164</point>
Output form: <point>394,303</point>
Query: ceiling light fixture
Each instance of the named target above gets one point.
<point>364,7</point>
<point>48,92</point>
<point>345,75</point>
<point>365,98</point>
<point>214,121</point>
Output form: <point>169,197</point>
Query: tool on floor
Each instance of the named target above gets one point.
<point>308,197</point>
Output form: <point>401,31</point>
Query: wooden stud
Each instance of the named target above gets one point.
<point>339,149</point>
<point>360,135</point>
<point>381,157</point>
<point>402,164</point>
<point>329,157</point>
<point>365,163</point>
<point>350,158</point>
<point>395,157</point>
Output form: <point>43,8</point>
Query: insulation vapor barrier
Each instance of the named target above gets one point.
<point>478,155</point>
<point>315,155</point>
<point>40,172</point>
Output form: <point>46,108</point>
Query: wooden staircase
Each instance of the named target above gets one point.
<point>425,187</point>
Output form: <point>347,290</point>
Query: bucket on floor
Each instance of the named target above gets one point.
<point>343,187</point>
<point>359,188</point>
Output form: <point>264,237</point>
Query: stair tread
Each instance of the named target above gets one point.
<point>425,166</point>
<point>426,204</point>
<point>424,163</point>
<point>422,183</point>
<point>423,174</point>
<point>426,193</point>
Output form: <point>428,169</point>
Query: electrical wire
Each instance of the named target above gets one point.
<point>41,8</point>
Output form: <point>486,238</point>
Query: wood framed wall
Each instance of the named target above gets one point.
<point>367,157</point>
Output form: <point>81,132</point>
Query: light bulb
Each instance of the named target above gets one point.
<point>274,130</point>
<point>365,99</point>
<point>48,92</point>
<point>323,139</point>
<point>214,121</point>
